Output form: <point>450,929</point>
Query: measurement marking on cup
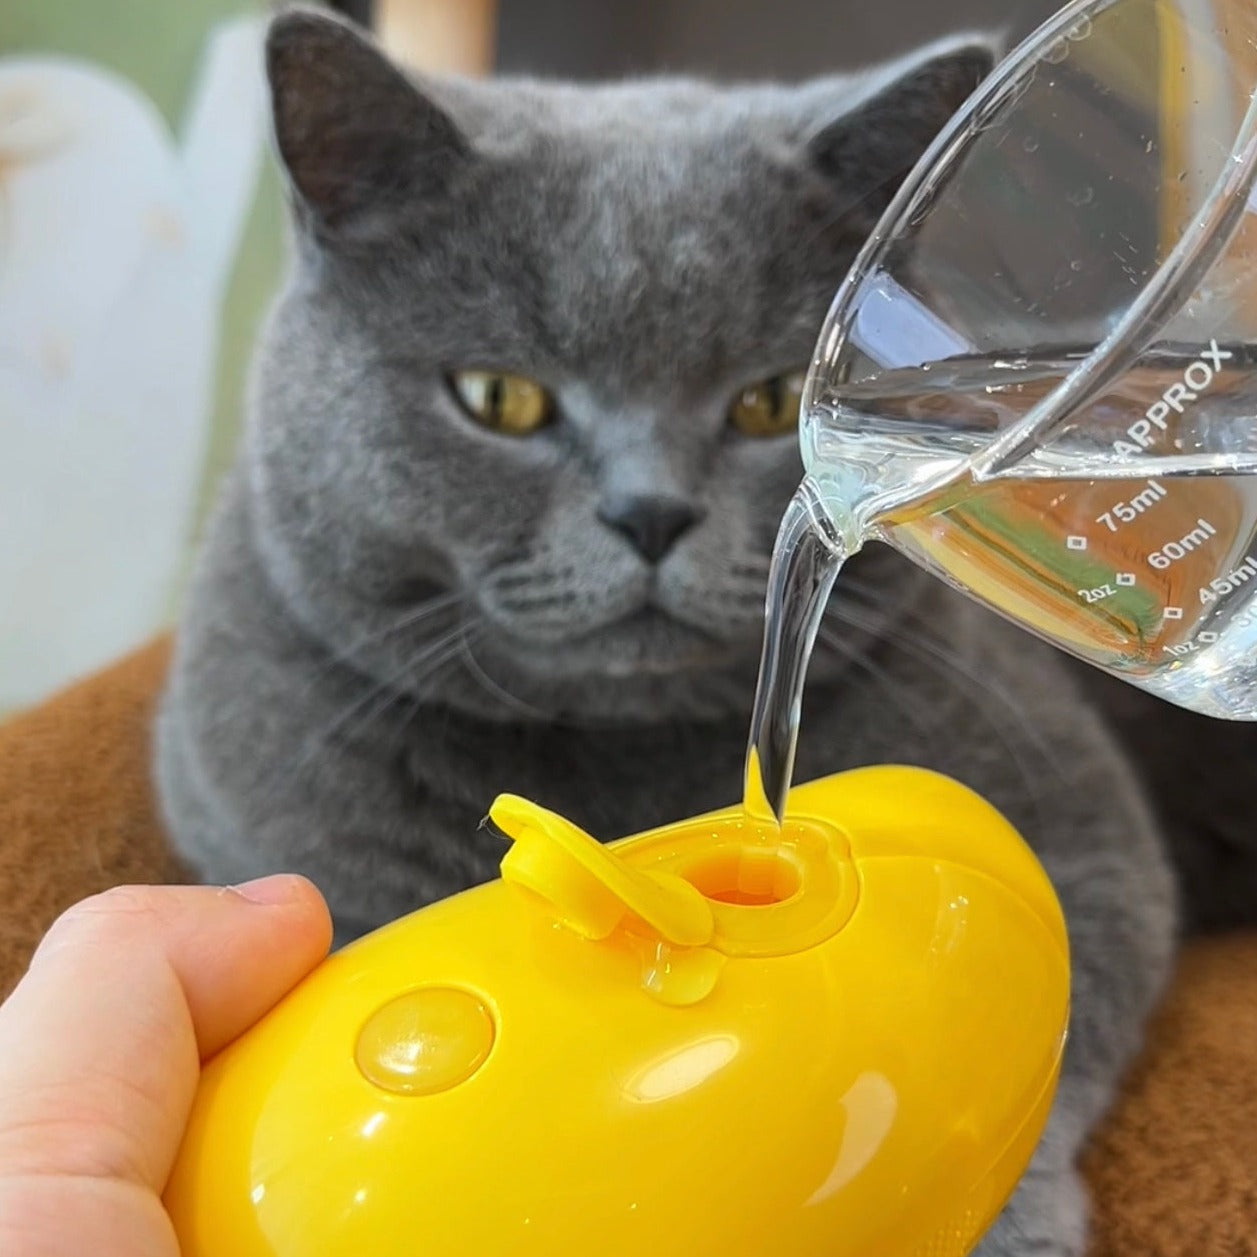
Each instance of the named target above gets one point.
<point>1179,649</point>
<point>1097,594</point>
<point>1236,577</point>
<point>1171,551</point>
<point>1125,512</point>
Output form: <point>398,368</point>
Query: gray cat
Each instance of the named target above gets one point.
<point>521,436</point>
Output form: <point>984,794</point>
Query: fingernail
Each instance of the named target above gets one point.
<point>278,888</point>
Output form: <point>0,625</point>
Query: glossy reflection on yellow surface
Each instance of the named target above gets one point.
<point>704,1040</point>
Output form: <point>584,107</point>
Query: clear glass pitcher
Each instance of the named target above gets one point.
<point>1039,380</point>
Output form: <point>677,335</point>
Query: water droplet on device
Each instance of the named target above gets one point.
<point>1030,144</point>
<point>1080,30</point>
<point>1082,196</point>
<point>679,975</point>
<point>1057,53</point>
<point>1075,265</point>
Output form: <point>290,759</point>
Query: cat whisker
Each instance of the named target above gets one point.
<point>447,601</point>
<point>934,655</point>
<point>434,657</point>
<point>430,673</point>
<point>377,700</point>
<point>898,694</point>
<point>848,208</point>
<point>435,667</point>
<point>394,740</point>
<point>310,746</point>
<point>496,689</point>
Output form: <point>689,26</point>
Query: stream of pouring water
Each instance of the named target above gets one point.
<point>806,559</point>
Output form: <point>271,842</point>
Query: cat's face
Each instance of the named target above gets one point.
<point>543,349</point>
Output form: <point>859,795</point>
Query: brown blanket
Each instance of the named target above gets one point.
<point>1174,1170</point>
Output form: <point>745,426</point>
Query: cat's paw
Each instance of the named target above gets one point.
<point>1047,1217</point>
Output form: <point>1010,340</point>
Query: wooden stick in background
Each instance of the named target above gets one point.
<point>443,36</point>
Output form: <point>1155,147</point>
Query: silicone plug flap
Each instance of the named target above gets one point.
<point>590,888</point>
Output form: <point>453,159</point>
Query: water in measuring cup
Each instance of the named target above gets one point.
<point>1111,543</point>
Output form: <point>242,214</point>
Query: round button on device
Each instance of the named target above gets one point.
<point>425,1041</point>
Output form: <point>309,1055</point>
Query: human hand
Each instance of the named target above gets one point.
<point>101,1045</point>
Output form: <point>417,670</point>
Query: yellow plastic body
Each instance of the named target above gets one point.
<point>694,1043</point>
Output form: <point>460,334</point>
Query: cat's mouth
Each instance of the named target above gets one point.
<point>654,642</point>
<point>647,642</point>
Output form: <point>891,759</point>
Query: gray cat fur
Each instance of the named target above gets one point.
<point>646,250</point>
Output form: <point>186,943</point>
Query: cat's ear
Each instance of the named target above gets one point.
<point>357,137</point>
<point>901,108</point>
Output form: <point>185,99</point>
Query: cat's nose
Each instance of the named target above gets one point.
<point>653,524</point>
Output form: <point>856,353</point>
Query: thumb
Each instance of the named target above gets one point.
<point>101,1042</point>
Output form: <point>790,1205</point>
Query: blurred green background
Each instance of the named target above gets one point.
<point>158,46</point>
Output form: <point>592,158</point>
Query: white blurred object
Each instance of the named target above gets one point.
<point>115,250</point>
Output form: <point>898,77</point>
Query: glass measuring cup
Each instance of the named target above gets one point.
<point>1039,380</point>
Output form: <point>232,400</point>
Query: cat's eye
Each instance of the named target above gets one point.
<point>510,404</point>
<point>770,407</point>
